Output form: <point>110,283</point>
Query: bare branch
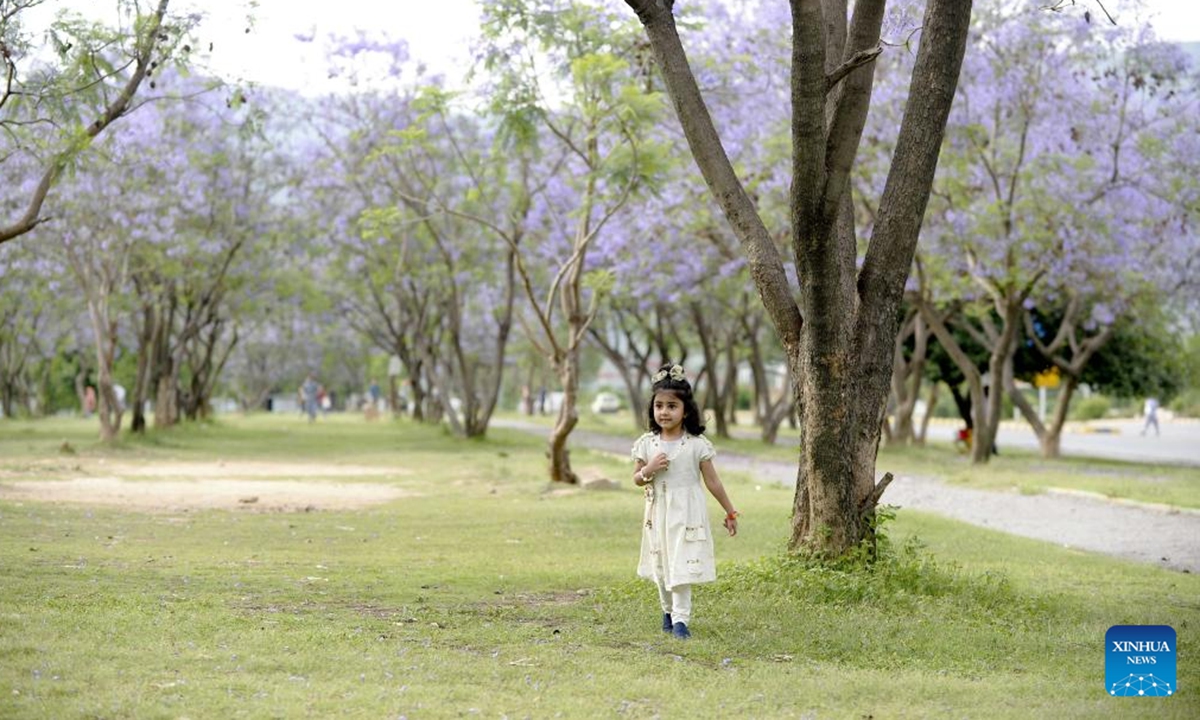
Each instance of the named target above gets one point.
<point>872,499</point>
<point>1061,4</point>
<point>860,58</point>
<point>766,266</point>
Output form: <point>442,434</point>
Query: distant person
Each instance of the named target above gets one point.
<point>89,401</point>
<point>677,545</point>
<point>119,394</point>
<point>309,391</point>
<point>375,394</point>
<point>1151,412</point>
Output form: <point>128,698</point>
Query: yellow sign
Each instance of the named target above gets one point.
<point>1047,378</point>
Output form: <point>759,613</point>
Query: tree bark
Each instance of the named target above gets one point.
<point>568,418</point>
<point>838,339</point>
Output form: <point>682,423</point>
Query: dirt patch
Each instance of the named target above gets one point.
<point>204,486</point>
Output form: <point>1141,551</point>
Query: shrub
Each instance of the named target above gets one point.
<point>1187,404</point>
<point>1092,408</point>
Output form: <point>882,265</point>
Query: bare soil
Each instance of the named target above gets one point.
<point>186,486</point>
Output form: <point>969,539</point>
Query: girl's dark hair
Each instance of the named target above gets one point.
<point>682,390</point>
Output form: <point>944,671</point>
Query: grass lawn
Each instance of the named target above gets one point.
<point>480,593</point>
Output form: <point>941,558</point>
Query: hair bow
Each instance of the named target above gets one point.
<point>676,373</point>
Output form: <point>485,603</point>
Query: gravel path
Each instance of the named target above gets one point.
<point>1161,536</point>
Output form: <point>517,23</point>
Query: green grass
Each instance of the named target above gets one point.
<point>481,594</point>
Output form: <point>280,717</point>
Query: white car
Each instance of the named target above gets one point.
<point>606,402</point>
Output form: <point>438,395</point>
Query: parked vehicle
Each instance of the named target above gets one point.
<point>606,402</point>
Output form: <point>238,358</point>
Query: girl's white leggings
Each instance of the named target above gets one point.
<point>677,601</point>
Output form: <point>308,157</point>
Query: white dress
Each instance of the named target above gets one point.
<point>677,546</point>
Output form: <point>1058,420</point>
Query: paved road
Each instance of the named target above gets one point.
<point>1158,536</point>
<point>1179,442</point>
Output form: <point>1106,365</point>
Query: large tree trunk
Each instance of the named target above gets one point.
<point>838,340</point>
<point>848,374</point>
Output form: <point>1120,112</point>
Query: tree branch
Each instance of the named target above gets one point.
<point>145,48</point>
<point>766,266</point>
<point>906,192</point>
<point>859,59</point>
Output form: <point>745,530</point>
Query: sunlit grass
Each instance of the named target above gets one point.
<point>482,594</point>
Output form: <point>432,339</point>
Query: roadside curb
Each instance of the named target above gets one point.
<point>1157,507</point>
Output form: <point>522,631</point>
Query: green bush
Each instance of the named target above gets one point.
<point>1187,404</point>
<point>1091,408</point>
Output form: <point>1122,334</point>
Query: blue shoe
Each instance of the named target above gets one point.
<point>667,624</point>
<point>680,631</point>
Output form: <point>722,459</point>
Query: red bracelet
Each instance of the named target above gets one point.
<point>733,515</point>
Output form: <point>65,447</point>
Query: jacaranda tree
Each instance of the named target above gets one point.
<point>837,327</point>
<point>50,112</point>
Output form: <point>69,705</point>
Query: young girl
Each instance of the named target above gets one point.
<point>671,461</point>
